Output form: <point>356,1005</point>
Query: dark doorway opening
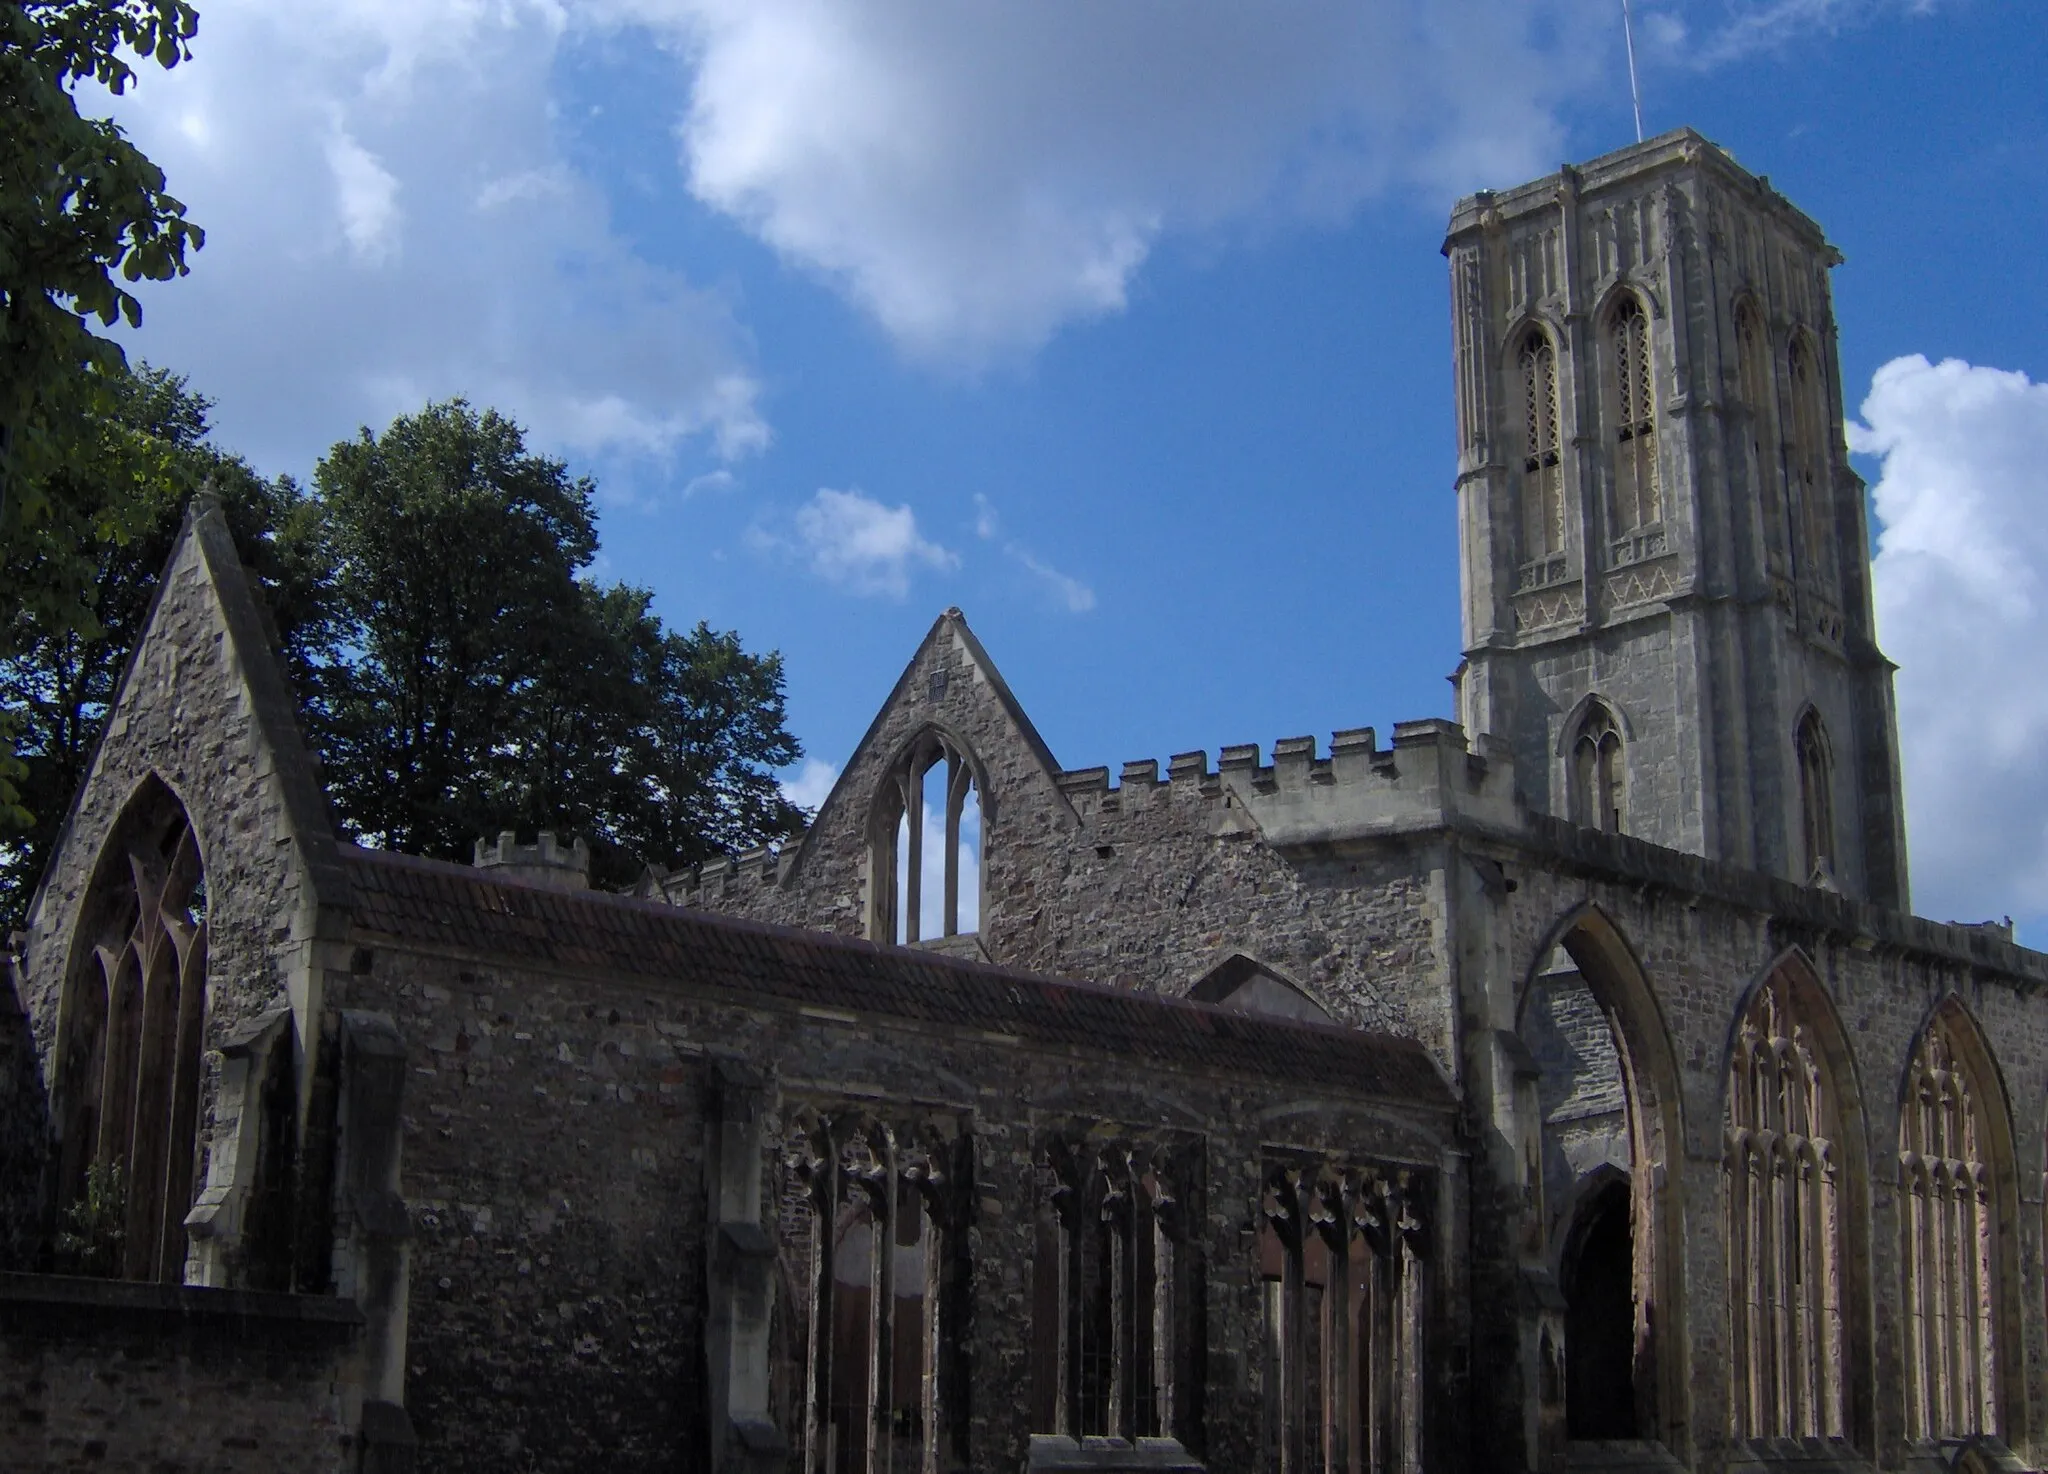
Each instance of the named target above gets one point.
<point>1600,1318</point>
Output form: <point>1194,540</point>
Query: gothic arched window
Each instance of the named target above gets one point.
<point>1950,1229</point>
<point>1816,794</point>
<point>132,1049</point>
<point>1632,405</point>
<point>927,839</point>
<point>1753,385</point>
<point>1542,469</point>
<point>1598,777</point>
<point>1807,455</point>
<point>1783,1189</point>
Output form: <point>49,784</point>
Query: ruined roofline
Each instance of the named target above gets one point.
<point>1679,149</point>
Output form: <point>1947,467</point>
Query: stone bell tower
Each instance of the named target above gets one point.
<point>1665,560</point>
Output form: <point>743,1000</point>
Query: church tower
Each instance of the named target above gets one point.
<point>1665,560</point>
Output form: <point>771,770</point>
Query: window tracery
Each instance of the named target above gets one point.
<point>1950,1227</point>
<point>1632,402</point>
<point>1816,794</point>
<point>1543,529</point>
<point>134,1034</point>
<point>929,801</point>
<point>1342,1256</point>
<point>1753,371</point>
<point>1598,778</point>
<point>1808,458</point>
<point>1783,1187</point>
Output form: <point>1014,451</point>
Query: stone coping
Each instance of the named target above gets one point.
<point>36,1301</point>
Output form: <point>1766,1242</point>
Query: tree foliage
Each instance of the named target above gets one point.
<point>474,678</point>
<point>146,454</point>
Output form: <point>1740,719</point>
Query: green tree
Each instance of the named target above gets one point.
<point>475,679</point>
<point>146,454</point>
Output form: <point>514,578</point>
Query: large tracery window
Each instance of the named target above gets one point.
<point>1598,776</point>
<point>1542,469</point>
<point>926,876</point>
<point>1807,457</point>
<point>1753,371</point>
<point>864,1235</point>
<point>1783,1191</point>
<point>1342,1254</point>
<point>1116,1281</point>
<point>1949,1226</point>
<point>1632,405</point>
<point>1816,795</point>
<point>134,1025</point>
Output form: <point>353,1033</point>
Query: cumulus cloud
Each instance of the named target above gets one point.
<point>975,175</point>
<point>388,219</point>
<point>810,785</point>
<point>856,543</point>
<point>1961,587</point>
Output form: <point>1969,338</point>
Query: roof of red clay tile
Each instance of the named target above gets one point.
<point>432,903</point>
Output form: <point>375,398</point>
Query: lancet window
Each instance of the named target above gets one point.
<point>1632,404</point>
<point>926,881</point>
<point>1598,771</point>
<point>1950,1227</point>
<point>1782,1175</point>
<point>1342,1254</point>
<point>868,1236</point>
<point>1116,1280</point>
<point>1808,459</point>
<point>1816,794</point>
<point>1542,468</point>
<point>134,1028</point>
<point>1753,371</point>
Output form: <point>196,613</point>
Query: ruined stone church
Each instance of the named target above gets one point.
<point>1565,1086</point>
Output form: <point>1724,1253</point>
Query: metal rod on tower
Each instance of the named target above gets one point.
<point>1635,95</point>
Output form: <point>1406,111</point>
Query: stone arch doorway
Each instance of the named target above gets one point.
<point>1610,1134</point>
<point>1597,1276</point>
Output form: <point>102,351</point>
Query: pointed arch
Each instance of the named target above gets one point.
<point>1957,1200</point>
<point>1542,520</point>
<point>1809,454</point>
<point>1656,1132</point>
<point>1594,745</point>
<point>1629,392</point>
<point>1814,756</point>
<point>131,1028</point>
<point>1756,388</point>
<point>898,908</point>
<point>1795,1205</point>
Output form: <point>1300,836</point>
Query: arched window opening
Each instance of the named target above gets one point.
<point>132,1055</point>
<point>1753,375</point>
<point>1341,1258</point>
<point>1950,1227</point>
<point>862,1219</point>
<point>1783,1192</point>
<point>1543,532</point>
<point>1598,772</point>
<point>1816,796</point>
<point>1808,459</point>
<point>1632,405</point>
<point>927,862</point>
<point>1598,1280</point>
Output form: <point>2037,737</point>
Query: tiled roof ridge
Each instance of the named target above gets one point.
<point>667,915</point>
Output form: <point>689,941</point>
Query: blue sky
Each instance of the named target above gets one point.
<point>1123,327</point>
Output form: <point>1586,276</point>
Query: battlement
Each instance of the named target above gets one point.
<point>1356,789</point>
<point>689,885</point>
<point>544,862</point>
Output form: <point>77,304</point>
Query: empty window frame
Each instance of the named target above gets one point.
<point>1816,761</point>
<point>1783,1191</point>
<point>1342,1259</point>
<point>1949,1228</point>
<point>865,1244</point>
<point>1631,403</point>
<point>1542,490</point>
<point>1116,1323</point>
<point>1598,775</point>
<point>132,1056</point>
<point>926,876</point>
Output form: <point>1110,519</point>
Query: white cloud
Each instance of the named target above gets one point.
<point>812,783</point>
<point>1729,30</point>
<point>1959,582</point>
<point>977,174</point>
<point>1073,595</point>
<point>389,219</point>
<point>852,540</point>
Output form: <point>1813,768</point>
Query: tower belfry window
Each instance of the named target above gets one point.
<point>1816,794</point>
<point>926,877</point>
<point>1632,402</point>
<point>1542,470</point>
<point>1808,457</point>
<point>1598,777</point>
<point>1753,384</point>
